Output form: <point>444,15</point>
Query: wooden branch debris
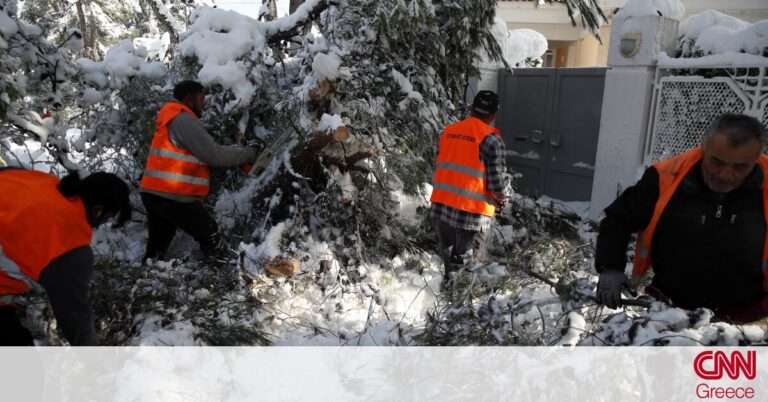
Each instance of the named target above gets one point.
<point>323,89</point>
<point>282,266</point>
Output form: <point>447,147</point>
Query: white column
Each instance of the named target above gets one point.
<point>634,48</point>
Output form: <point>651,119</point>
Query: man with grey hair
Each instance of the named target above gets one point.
<point>701,223</point>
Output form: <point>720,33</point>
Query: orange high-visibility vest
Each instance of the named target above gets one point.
<point>37,225</point>
<point>459,180</point>
<point>170,169</point>
<point>672,172</point>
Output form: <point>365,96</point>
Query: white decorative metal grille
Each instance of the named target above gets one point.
<point>685,106</point>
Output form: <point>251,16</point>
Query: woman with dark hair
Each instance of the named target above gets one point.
<point>45,237</point>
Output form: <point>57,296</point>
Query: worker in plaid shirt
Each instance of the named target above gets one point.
<point>468,184</point>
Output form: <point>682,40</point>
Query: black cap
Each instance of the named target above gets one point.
<point>109,191</point>
<point>486,103</point>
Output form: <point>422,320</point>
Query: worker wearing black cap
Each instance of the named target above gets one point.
<point>468,184</point>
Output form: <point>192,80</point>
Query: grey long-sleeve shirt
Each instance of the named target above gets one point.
<point>188,132</point>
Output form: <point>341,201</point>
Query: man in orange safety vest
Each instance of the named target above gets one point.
<point>468,184</point>
<point>176,179</point>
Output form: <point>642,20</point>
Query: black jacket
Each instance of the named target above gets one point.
<point>707,249</point>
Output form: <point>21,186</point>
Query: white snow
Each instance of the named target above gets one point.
<point>153,333</point>
<point>74,41</point>
<point>91,96</point>
<point>637,8</point>
<point>282,24</point>
<point>121,62</point>
<point>696,24</point>
<point>516,45</point>
<point>219,36</point>
<point>230,75</point>
<point>410,204</point>
<point>326,65</point>
<point>155,47</point>
<point>218,39</point>
<point>728,59</point>
<point>383,310</point>
<point>8,26</point>
<point>268,249</point>
<point>92,72</point>
<point>329,123</point>
<point>577,325</point>
<point>344,181</point>
<point>716,33</point>
<point>407,88</point>
<point>30,30</point>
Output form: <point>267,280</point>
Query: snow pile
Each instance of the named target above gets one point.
<point>218,39</point>
<point>8,27</point>
<point>712,32</point>
<point>156,47</point>
<point>638,8</point>
<point>407,88</point>
<point>329,123</point>
<point>349,305</point>
<point>269,248</point>
<point>122,62</point>
<point>326,65</point>
<point>517,45</point>
<point>152,332</point>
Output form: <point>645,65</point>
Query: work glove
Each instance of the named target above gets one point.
<point>609,288</point>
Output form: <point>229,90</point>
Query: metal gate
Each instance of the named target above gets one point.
<point>686,102</point>
<point>550,120</point>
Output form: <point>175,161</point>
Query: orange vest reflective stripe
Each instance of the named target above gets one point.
<point>672,172</point>
<point>459,180</point>
<point>38,225</point>
<point>170,169</point>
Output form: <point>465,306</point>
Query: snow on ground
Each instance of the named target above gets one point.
<point>390,302</point>
<point>153,333</point>
<point>387,308</point>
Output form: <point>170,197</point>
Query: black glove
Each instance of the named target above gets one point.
<point>609,288</point>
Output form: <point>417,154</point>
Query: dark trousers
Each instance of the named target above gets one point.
<point>12,333</point>
<point>164,216</point>
<point>459,247</point>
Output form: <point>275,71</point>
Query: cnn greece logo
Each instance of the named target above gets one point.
<point>714,365</point>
